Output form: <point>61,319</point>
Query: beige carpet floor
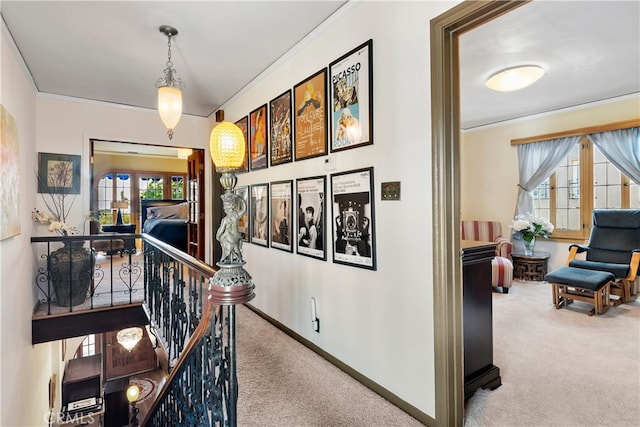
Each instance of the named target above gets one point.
<point>560,367</point>
<point>284,384</point>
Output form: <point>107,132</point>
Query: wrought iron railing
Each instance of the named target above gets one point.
<point>198,336</point>
<point>175,286</point>
<point>71,275</point>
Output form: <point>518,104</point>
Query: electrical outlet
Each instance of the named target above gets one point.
<point>390,190</point>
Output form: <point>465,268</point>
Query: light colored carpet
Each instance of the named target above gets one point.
<point>282,383</point>
<point>560,367</point>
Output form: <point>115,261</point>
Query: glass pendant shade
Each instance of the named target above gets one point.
<point>516,78</point>
<point>133,393</point>
<point>227,146</point>
<point>129,337</point>
<point>170,105</point>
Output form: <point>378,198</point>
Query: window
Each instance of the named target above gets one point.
<point>89,346</point>
<point>584,180</point>
<point>132,186</point>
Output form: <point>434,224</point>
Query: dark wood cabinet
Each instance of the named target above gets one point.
<point>82,389</point>
<point>477,312</point>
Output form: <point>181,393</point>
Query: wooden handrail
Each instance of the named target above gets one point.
<point>195,338</point>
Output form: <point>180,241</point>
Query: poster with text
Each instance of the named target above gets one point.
<point>310,105</point>
<point>260,214</point>
<point>258,145</point>
<point>351,97</point>
<point>243,124</point>
<point>310,194</point>
<point>353,218</point>
<point>280,115</point>
<point>281,211</point>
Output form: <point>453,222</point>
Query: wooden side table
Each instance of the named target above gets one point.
<point>530,267</point>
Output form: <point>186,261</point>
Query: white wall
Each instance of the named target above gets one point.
<point>21,386</point>
<point>380,323</point>
<point>55,124</point>
<point>489,163</point>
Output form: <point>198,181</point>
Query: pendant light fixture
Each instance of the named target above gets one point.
<point>169,89</point>
<point>129,337</point>
<point>515,78</point>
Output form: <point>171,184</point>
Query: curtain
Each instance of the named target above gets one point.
<point>622,148</point>
<point>537,161</point>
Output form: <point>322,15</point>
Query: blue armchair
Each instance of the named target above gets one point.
<point>614,247</point>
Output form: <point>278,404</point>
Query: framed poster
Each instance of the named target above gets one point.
<point>243,124</point>
<point>280,127</point>
<point>9,176</point>
<point>310,195</point>
<point>353,218</point>
<point>258,144</point>
<point>281,211</point>
<point>243,221</point>
<point>58,173</point>
<point>260,214</point>
<point>351,94</point>
<point>309,99</point>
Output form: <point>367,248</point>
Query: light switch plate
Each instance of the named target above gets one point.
<point>391,190</point>
<point>330,162</point>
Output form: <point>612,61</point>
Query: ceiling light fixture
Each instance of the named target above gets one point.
<point>129,337</point>
<point>515,78</point>
<point>169,89</point>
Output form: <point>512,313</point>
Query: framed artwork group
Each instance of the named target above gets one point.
<point>329,111</point>
<point>273,223</point>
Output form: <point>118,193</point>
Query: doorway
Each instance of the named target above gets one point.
<point>125,173</point>
<point>445,103</point>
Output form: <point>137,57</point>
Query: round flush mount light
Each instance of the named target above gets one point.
<point>515,78</point>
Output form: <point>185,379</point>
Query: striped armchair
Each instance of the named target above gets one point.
<point>501,265</point>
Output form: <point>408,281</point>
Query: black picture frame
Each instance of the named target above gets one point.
<point>353,218</point>
<point>243,221</point>
<point>243,124</point>
<point>311,224</point>
<point>58,173</point>
<point>280,126</point>
<point>260,214</point>
<point>351,98</point>
<point>281,225</point>
<point>310,119</point>
<point>258,139</point>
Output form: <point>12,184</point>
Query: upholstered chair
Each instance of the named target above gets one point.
<point>614,247</point>
<point>501,264</point>
<point>110,247</point>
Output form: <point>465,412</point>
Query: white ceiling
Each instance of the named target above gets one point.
<point>112,50</point>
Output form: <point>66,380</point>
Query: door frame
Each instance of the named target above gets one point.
<point>445,149</point>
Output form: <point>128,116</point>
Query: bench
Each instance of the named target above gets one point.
<point>569,283</point>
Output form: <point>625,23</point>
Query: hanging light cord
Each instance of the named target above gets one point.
<point>168,79</point>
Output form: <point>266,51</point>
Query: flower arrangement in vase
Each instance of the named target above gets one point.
<point>530,227</point>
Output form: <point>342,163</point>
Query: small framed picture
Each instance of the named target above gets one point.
<point>280,128</point>
<point>58,173</point>
<point>351,97</point>
<point>281,211</point>
<point>243,124</point>
<point>310,107</point>
<point>258,145</point>
<point>353,218</point>
<point>260,214</point>
<point>310,229</point>
<point>243,221</point>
